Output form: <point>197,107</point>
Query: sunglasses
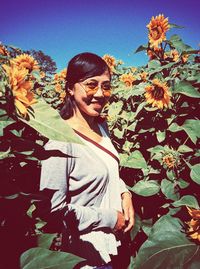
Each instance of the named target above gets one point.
<point>91,88</point>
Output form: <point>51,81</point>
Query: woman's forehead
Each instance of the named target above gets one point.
<point>104,76</point>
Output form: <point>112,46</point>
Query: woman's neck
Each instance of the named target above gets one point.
<point>82,119</point>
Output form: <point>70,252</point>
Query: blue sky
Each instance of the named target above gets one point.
<point>62,29</point>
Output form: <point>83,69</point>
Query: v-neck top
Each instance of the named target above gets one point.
<point>90,186</point>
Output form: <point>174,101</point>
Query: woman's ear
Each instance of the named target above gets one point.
<point>71,93</point>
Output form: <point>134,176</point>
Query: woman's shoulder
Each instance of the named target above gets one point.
<point>57,145</point>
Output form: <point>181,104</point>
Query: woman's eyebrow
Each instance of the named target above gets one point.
<point>94,80</point>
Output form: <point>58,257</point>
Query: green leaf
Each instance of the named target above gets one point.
<point>177,42</point>
<point>146,188</point>
<point>119,134</point>
<point>3,124</point>
<point>195,173</point>
<point>166,247</point>
<point>185,88</point>
<point>5,154</point>
<point>115,108</point>
<point>141,48</point>
<point>184,149</point>
<point>160,136</point>
<point>171,175</point>
<point>45,240</point>
<point>41,258</point>
<point>168,189</point>
<point>172,25</point>
<point>31,210</point>
<point>174,38</point>
<point>183,184</point>
<point>48,122</point>
<point>139,108</point>
<point>187,200</point>
<point>154,64</point>
<point>134,160</point>
<point>136,227</point>
<point>147,225</point>
<point>192,127</point>
<point>36,74</point>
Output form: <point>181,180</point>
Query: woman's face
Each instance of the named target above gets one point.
<point>92,94</point>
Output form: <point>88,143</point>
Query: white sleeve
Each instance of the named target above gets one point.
<point>123,187</point>
<point>54,176</point>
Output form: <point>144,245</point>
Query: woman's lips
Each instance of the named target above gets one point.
<point>96,104</point>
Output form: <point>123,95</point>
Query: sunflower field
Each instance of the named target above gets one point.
<point>153,118</point>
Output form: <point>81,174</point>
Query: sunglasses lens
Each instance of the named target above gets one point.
<point>107,93</point>
<point>92,88</point>
<point>91,92</point>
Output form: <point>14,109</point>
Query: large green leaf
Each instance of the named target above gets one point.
<point>48,122</point>
<point>146,188</point>
<point>167,246</point>
<point>192,127</point>
<point>41,258</point>
<point>134,160</point>
<point>168,189</point>
<point>187,200</point>
<point>177,42</point>
<point>153,64</point>
<point>195,173</point>
<point>185,88</point>
<point>45,240</point>
<point>4,123</point>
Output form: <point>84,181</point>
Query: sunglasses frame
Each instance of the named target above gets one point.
<point>89,91</point>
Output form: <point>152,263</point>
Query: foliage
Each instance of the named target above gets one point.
<point>154,122</point>
<point>27,122</point>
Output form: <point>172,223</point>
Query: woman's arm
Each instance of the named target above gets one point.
<point>127,206</point>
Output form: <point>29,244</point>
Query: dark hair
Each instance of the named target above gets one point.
<point>81,67</point>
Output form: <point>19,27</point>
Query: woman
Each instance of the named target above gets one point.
<point>98,207</point>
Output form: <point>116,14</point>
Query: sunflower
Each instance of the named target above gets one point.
<point>25,61</point>
<point>62,96</point>
<point>110,60</point>
<point>143,76</point>
<point>184,58</point>
<point>3,51</point>
<point>194,224</point>
<point>133,69</point>
<point>58,88</point>
<point>42,74</point>
<point>127,79</point>
<point>174,55</point>
<point>169,160</point>
<point>158,27</point>
<point>21,87</point>
<point>158,94</point>
<point>61,75</point>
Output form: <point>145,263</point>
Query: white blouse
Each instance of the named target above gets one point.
<point>91,180</point>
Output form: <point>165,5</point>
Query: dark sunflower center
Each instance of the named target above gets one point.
<point>156,32</point>
<point>158,93</point>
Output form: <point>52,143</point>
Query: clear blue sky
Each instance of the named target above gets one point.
<point>62,29</point>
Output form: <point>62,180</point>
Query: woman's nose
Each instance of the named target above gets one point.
<point>99,92</point>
